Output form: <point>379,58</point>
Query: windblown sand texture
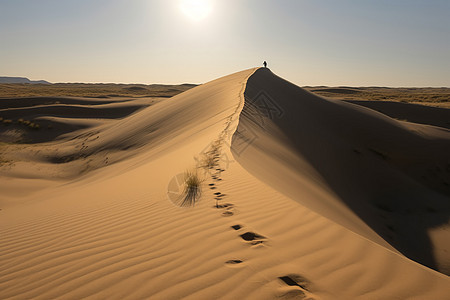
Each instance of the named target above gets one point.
<point>302,197</point>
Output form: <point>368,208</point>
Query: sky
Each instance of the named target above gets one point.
<point>308,42</point>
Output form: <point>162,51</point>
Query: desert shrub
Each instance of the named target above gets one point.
<point>192,189</point>
<point>210,158</point>
<point>208,162</point>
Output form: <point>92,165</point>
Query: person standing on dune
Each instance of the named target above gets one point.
<point>265,64</point>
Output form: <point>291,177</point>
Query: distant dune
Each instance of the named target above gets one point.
<point>299,196</point>
<point>91,90</point>
<point>415,113</point>
<point>4,79</point>
<point>426,96</point>
<point>337,91</point>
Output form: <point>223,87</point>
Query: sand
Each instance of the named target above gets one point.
<point>319,199</point>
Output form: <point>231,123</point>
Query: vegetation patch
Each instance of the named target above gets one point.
<point>192,189</point>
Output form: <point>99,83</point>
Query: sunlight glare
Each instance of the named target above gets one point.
<point>196,10</point>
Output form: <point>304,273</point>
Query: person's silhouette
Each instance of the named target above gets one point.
<point>265,64</point>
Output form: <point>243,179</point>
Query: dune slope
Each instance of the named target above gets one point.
<point>353,165</point>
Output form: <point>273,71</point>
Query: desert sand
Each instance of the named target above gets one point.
<point>317,198</point>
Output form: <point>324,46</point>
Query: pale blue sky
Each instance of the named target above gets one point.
<point>309,42</point>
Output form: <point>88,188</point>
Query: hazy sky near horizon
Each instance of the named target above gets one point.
<point>308,42</point>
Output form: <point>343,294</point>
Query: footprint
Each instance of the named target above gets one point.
<point>227,213</point>
<point>211,184</point>
<point>225,205</point>
<point>298,287</point>
<point>236,227</point>
<point>296,280</point>
<point>234,263</point>
<point>213,188</point>
<point>253,238</point>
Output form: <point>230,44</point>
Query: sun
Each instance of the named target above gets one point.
<point>196,10</point>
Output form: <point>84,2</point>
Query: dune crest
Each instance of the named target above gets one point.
<point>353,165</point>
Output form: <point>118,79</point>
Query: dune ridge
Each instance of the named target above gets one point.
<point>113,232</point>
<point>375,165</point>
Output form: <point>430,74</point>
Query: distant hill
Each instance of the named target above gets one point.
<point>4,79</point>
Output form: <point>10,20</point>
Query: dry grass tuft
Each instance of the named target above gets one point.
<point>209,162</point>
<point>192,189</point>
<point>210,159</point>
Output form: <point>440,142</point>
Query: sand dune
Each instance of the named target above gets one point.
<point>415,113</point>
<point>50,117</point>
<point>306,188</point>
<point>34,101</point>
<point>92,90</point>
<point>435,97</point>
<point>378,168</point>
<point>111,111</point>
